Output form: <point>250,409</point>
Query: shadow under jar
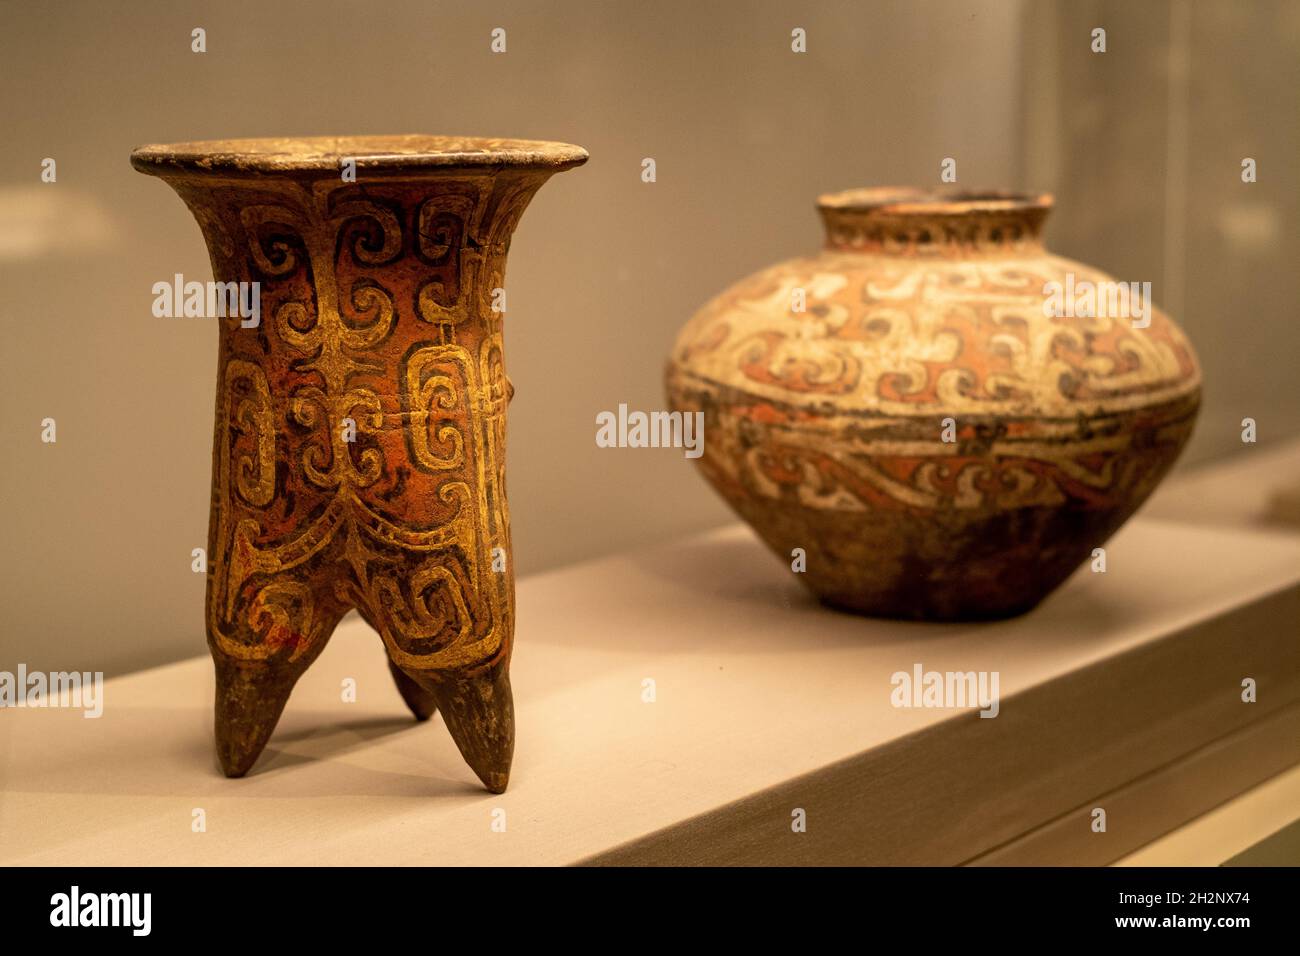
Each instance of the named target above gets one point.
<point>359,445</point>
<point>941,416</point>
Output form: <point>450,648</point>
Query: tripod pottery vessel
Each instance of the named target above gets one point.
<point>940,416</point>
<point>359,446</point>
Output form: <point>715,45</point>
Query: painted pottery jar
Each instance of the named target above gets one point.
<point>935,416</point>
<point>359,444</point>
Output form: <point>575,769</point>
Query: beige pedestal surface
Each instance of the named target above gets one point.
<point>682,705</point>
<point>1258,488</point>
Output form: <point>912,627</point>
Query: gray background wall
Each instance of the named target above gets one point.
<point>95,564</point>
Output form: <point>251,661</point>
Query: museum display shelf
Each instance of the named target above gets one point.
<point>683,704</point>
<point>1247,830</point>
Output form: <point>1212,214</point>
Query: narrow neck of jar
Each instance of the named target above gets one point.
<point>911,222</point>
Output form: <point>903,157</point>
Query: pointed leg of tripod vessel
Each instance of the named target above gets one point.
<point>479,712</point>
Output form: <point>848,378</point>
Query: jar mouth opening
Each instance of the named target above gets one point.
<point>903,200</point>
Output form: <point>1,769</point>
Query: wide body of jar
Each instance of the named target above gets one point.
<point>935,418</point>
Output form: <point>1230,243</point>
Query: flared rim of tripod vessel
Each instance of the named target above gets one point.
<point>314,156</point>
